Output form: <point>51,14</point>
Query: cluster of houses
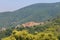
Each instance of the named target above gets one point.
<point>31,24</point>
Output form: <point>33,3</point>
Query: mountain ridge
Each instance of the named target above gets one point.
<point>35,12</point>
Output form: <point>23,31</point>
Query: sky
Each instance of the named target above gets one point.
<point>11,5</point>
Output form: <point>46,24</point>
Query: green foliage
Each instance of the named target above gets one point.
<point>38,28</point>
<point>24,35</point>
<point>34,33</point>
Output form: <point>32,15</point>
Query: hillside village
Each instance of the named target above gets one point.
<point>31,24</point>
<point>27,24</point>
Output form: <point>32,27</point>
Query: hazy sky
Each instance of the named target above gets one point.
<point>10,5</point>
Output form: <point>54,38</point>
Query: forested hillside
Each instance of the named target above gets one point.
<point>50,31</point>
<point>35,12</point>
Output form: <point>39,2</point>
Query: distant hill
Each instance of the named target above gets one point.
<point>35,12</point>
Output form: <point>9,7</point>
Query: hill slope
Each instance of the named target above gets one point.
<point>35,12</point>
